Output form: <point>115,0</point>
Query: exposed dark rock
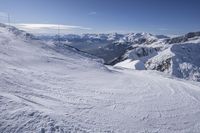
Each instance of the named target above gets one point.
<point>163,66</point>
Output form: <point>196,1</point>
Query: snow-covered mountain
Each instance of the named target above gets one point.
<point>142,51</point>
<point>181,60</point>
<point>46,88</point>
<point>176,56</point>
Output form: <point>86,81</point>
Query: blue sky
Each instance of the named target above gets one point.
<point>102,16</point>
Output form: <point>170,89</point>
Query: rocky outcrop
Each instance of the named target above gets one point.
<point>162,66</point>
<point>184,38</point>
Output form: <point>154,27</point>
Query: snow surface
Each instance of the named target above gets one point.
<point>44,89</point>
<point>131,64</point>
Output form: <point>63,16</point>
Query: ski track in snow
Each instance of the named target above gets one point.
<point>42,90</point>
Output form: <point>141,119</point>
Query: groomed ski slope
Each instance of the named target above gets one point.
<point>44,89</point>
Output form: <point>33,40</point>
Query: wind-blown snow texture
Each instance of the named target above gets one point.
<point>45,89</point>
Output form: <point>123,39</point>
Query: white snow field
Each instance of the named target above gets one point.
<point>44,89</point>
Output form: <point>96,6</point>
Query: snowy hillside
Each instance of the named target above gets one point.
<point>46,89</point>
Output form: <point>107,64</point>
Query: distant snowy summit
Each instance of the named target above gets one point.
<point>112,37</point>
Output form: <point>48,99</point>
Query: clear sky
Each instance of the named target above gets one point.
<point>103,16</point>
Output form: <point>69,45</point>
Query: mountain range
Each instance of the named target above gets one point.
<point>177,56</point>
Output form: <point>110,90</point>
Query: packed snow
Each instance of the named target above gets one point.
<point>46,89</point>
<point>131,64</point>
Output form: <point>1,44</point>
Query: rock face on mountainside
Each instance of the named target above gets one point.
<point>182,39</point>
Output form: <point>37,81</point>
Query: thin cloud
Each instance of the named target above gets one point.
<point>50,27</point>
<point>92,13</point>
<point>37,28</point>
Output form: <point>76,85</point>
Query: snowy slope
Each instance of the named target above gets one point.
<point>43,89</point>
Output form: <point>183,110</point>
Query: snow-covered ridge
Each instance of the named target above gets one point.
<point>17,32</point>
<point>185,38</point>
<point>23,35</point>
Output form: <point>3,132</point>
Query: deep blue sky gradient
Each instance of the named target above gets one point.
<point>155,16</point>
